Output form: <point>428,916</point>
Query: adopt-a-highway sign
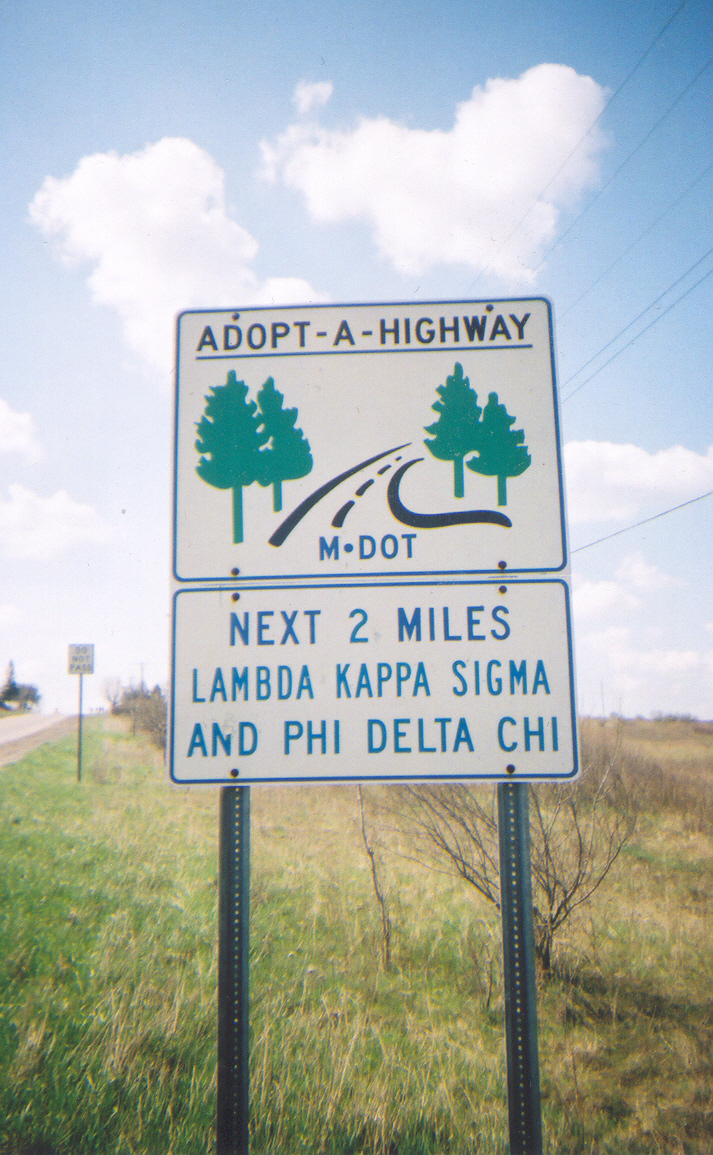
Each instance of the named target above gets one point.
<point>448,679</point>
<point>384,440</point>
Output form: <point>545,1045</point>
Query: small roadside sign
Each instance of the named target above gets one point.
<point>383,681</point>
<point>387,440</point>
<point>81,659</point>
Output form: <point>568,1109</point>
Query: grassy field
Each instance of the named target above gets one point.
<point>108,970</point>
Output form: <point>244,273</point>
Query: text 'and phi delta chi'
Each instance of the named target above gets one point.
<point>340,684</point>
<point>242,333</point>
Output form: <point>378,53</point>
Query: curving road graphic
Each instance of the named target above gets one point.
<point>285,529</point>
<point>396,506</point>
<point>437,520</point>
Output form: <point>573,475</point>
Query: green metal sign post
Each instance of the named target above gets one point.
<point>233,959</point>
<point>524,1110</point>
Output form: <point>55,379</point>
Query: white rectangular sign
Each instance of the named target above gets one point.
<point>81,659</point>
<point>443,679</point>
<point>389,440</point>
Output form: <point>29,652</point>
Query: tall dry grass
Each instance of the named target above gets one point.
<point>666,765</point>
<point>107,971</point>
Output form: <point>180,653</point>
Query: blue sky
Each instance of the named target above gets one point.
<point>191,155</point>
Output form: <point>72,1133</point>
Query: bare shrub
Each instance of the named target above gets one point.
<point>112,689</point>
<point>378,886</point>
<point>577,831</point>
<point>152,716</point>
<point>147,711</point>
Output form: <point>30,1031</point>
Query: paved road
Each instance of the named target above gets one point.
<point>20,735</point>
<point>13,728</point>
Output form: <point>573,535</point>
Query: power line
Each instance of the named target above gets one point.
<point>644,522</point>
<point>634,243</point>
<point>644,330</point>
<point>582,139</point>
<point>624,163</point>
<point>637,318</point>
<point>607,105</point>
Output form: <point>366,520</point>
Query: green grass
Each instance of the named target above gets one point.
<point>106,941</point>
<point>108,933</point>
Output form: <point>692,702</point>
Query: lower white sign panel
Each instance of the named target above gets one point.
<point>441,680</point>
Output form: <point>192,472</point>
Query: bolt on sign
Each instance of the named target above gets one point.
<point>80,659</point>
<point>370,561</point>
<point>396,441</point>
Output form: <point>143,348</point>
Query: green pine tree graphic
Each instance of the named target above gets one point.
<point>455,433</point>
<point>288,455</point>
<point>230,440</point>
<point>500,449</point>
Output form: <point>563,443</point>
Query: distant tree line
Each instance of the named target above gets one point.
<point>146,709</point>
<point>17,696</point>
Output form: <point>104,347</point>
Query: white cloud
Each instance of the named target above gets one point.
<point>455,196</point>
<point>635,679</point>
<point>42,527</point>
<point>597,599</point>
<point>308,96</point>
<point>17,433</point>
<point>155,228</point>
<point>624,657</point>
<point>9,615</point>
<point>609,482</point>
<point>632,578</point>
<point>619,629</point>
<point>634,573</point>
